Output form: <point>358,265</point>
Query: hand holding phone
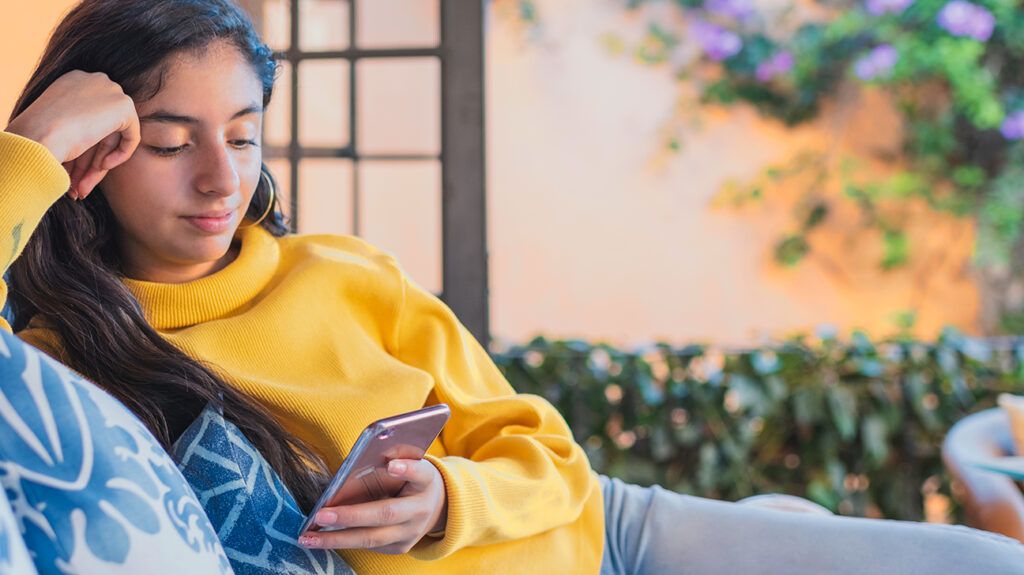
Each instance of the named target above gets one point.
<point>373,506</point>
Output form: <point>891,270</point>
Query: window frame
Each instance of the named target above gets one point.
<point>464,256</point>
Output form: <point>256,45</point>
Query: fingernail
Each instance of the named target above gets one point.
<point>326,518</point>
<point>396,468</point>
<point>308,541</point>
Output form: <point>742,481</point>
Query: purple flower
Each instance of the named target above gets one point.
<point>877,63</point>
<point>879,7</point>
<point>738,9</point>
<point>717,42</point>
<point>961,18</point>
<point>780,63</point>
<point>1013,126</point>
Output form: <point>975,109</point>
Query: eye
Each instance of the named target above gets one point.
<point>244,143</point>
<point>168,151</point>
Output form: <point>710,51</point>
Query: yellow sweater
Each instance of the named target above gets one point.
<point>330,334</point>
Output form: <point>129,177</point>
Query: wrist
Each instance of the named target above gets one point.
<point>441,524</point>
<point>42,136</point>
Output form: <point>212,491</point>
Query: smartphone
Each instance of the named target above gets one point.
<point>363,476</point>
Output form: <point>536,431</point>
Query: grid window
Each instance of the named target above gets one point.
<point>358,127</point>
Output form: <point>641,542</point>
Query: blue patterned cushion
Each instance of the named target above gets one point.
<point>14,557</point>
<point>254,514</point>
<point>91,489</point>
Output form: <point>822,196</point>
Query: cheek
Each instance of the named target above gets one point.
<point>140,190</point>
<point>250,179</point>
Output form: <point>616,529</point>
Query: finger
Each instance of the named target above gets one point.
<point>391,511</point>
<point>419,472</point>
<point>130,137</point>
<point>103,150</point>
<point>69,167</point>
<point>375,538</point>
<point>95,172</point>
<point>81,166</point>
<point>90,180</point>
<point>76,175</point>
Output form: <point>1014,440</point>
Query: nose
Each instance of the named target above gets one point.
<point>217,172</point>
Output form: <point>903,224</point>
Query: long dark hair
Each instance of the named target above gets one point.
<point>69,274</point>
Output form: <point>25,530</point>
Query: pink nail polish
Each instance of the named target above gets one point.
<point>308,541</point>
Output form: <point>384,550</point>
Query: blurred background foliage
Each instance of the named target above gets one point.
<point>854,425</point>
<point>952,70</point>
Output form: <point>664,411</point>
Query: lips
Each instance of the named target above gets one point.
<point>213,222</point>
<point>212,214</point>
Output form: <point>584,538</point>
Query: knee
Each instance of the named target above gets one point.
<point>784,502</point>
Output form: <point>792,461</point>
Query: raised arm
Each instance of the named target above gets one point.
<point>66,141</point>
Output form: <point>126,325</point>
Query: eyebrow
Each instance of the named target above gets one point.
<point>170,118</point>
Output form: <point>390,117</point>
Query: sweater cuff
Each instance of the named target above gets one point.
<point>463,503</point>
<point>33,176</point>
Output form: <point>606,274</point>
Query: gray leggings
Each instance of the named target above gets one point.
<point>651,531</point>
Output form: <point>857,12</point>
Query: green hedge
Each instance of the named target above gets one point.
<point>854,425</point>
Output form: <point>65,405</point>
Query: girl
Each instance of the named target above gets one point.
<point>145,250</point>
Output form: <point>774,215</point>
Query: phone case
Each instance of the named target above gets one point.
<point>363,476</point>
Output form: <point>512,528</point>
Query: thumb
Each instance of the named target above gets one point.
<point>418,472</point>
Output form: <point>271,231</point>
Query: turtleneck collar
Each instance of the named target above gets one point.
<point>173,306</point>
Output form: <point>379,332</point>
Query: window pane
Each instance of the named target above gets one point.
<point>324,103</point>
<point>282,171</point>
<point>401,213</point>
<point>325,196</point>
<point>277,119</point>
<point>398,23</point>
<point>324,25</point>
<point>276,23</point>
<point>399,104</point>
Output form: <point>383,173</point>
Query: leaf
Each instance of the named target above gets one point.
<point>975,349</point>
<point>870,367</point>
<point>528,11</point>
<point>905,185</point>
<point>765,362</point>
<point>816,216</point>
<point>748,394</point>
<point>969,176</point>
<point>843,406</point>
<point>861,343</point>
<point>905,319</point>
<point>808,406</point>
<point>821,493</point>
<point>948,360</point>
<point>874,433</point>
<point>897,249</point>
<point>791,250</point>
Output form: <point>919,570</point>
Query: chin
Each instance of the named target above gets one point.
<point>207,250</point>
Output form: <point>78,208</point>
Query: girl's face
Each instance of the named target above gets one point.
<point>179,199</point>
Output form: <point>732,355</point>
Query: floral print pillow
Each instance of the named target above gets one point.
<point>90,488</point>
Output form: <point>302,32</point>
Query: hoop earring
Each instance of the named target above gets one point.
<point>270,201</point>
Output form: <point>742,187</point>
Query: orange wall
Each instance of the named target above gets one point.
<point>23,33</point>
<point>596,232</point>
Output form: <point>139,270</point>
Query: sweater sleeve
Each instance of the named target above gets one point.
<point>513,469</point>
<point>31,181</point>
